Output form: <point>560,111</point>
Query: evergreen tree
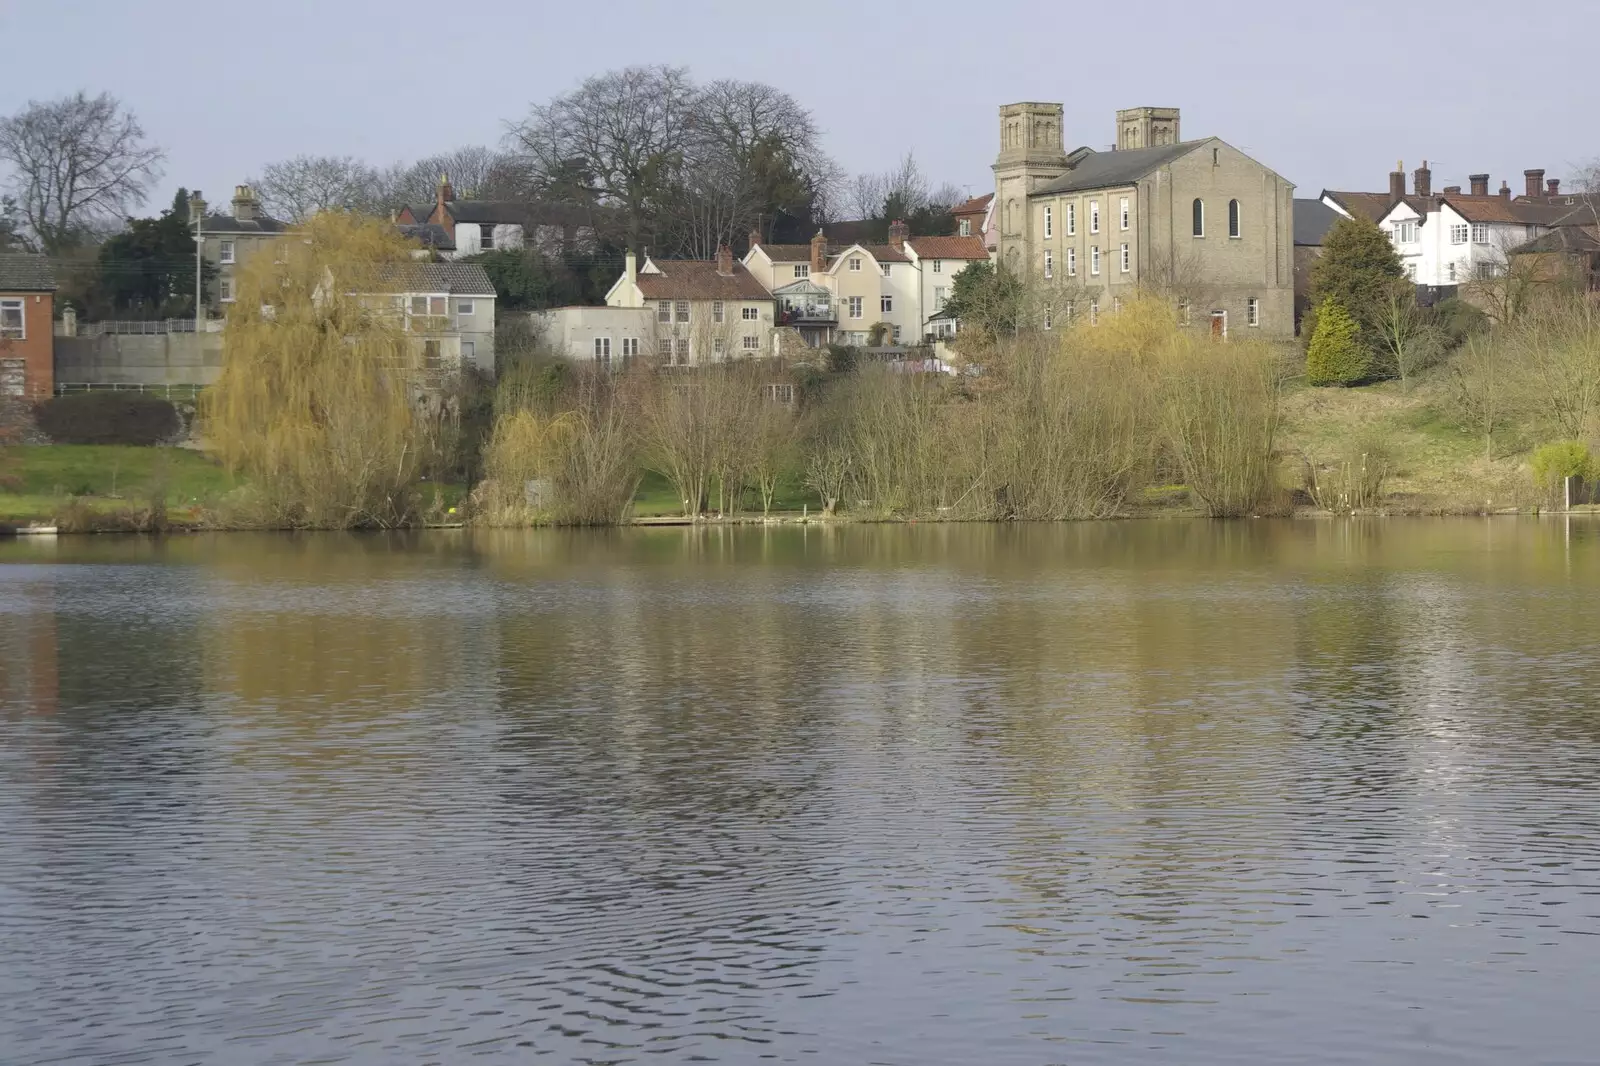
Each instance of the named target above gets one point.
<point>147,270</point>
<point>1357,268</point>
<point>1336,355</point>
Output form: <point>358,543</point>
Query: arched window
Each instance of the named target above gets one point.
<point>1233,218</point>
<point>1199,217</point>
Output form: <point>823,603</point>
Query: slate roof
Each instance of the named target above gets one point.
<point>1312,221</point>
<point>25,272</point>
<point>885,253</point>
<point>1368,205</point>
<point>456,279</point>
<point>1501,209</point>
<point>787,253</point>
<point>1565,239</point>
<point>217,224</point>
<point>949,247</point>
<point>1099,170</point>
<point>512,212</point>
<point>697,279</point>
<point>428,234</point>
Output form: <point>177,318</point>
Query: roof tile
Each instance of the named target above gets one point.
<point>25,272</point>
<point>697,279</point>
<point>948,247</point>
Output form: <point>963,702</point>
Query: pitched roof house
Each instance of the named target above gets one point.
<point>456,228</point>
<point>27,328</point>
<point>705,310</point>
<point>231,240</point>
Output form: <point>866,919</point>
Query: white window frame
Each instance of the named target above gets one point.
<point>752,343</point>
<point>1094,312</point>
<point>1252,311</point>
<point>718,345</point>
<point>1094,260</point>
<point>1235,220</point>
<point>1459,234</point>
<point>938,266</point>
<point>1184,315</point>
<point>663,310</point>
<point>225,252</point>
<point>941,296</point>
<point>1123,212</point>
<point>225,289</point>
<point>802,270</point>
<point>1451,267</point>
<point>1049,319</point>
<point>1049,222</point>
<point>1480,233</point>
<point>717,311</point>
<point>885,268</point>
<point>750,314</point>
<point>1072,220</point>
<point>630,347</point>
<point>1197,205</point>
<point>465,307</point>
<point>855,305</point>
<point>781,393</point>
<point>965,228</point>
<point>1072,262</point>
<point>1127,259</point>
<point>469,351</point>
<point>855,264</point>
<point>602,351</point>
<point>680,351</point>
<point>681,311</point>
<point>1116,305</point>
<point>19,332</point>
<point>886,304</point>
<point>1094,216</point>
<point>1049,263</point>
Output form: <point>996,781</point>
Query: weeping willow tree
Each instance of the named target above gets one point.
<point>320,406</point>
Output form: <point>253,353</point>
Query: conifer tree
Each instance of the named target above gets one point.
<point>1336,355</point>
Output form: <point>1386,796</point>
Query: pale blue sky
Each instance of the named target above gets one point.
<point>1329,94</point>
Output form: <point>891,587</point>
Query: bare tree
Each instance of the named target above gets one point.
<point>296,189</point>
<point>76,162</point>
<point>1409,338</point>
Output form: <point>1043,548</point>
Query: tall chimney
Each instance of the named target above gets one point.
<point>631,262</point>
<point>898,232</point>
<point>725,260</point>
<point>1534,182</point>
<point>755,237</point>
<point>1553,187</point>
<point>1397,181</point>
<point>197,206</point>
<point>1480,184</point>
<point>819,253</point>
<point>1505,190</point>
<point>244,203</point>
<point>1422,178</point>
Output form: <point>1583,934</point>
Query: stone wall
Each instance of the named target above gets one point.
<point>139,359</point>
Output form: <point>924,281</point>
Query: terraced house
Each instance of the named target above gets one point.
<point>1197,221</point>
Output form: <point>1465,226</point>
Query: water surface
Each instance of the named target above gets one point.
<point>1160,792</point>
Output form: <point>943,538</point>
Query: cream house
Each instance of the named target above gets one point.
<point>1198,221</point>
<point>229,241</point>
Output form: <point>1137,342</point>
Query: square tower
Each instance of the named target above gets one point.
<point>1031,153</point>
<point>1147,127</point>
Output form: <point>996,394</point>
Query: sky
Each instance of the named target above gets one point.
<point>1330,94</point>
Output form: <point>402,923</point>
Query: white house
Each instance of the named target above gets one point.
<point>937,261</point>
<point>1452,238</point>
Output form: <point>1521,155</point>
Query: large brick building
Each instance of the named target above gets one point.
<point>27,327</point>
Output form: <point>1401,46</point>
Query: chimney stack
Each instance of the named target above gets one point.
<point>1480,184</point>
<point>244,203</point>
<point>631,262</point>
<point>1534,181</point>
<point>444,195</point>
<point>898,232</point>
<point>819,253</point>
<point>197,206</point>
<point>1452,190</point>
<point>755,237</point>
<point>1423,178</point>
<point>725,260</point>
<point>1553,187</point>
<point>1397,181</point>
<point>1505,190</point>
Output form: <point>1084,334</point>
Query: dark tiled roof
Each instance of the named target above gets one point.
<point>975,206</point>
<point>697,279</point>
<point>1312,221</point>
<point>230,224</point>
<point>511,212</point>
<point>1501,209</point>
<point>429,234</point>
<point>1565,239</point>
<point>1099,170</point>
<point>886,253</point>
<point>26,273</point>
<point>1368,205</point>
<point>457,279</point>
<point>787,253</point>
<point>851,231</point>
<point>949,247</point>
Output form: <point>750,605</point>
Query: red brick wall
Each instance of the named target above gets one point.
<point>37,348</point>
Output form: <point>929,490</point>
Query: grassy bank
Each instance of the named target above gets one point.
<point>39,482</point>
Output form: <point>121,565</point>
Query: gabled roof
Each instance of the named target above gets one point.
<point>1099,170</point>
<point>948,247</point>
<point>216,224</point>
<point>697,279</point>
<point>456,279</point>
<point>26,272</point>
<point>429,234</point>
<point>1368,205</point>
<point>1312,221</point>
<point>802,287</point>
<point>975,206</point>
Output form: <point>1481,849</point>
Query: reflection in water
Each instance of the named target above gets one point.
<point>1145,792</point>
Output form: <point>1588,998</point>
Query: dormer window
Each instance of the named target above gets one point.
<point>966,227</point>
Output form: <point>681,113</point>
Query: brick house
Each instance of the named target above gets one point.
<point>27,328</point>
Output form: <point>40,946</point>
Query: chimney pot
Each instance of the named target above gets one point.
<point>1423,177</point>
<point>1553,187</point>
<point>898,232</point>
<point>1505,190</point>
<point>755,237</point>
<point>1534,182</point>
<point>1397,181</point>
<point>632,267</point>
<point>1480,184</point>
<point>1452,190</point>
<point>244,203</point>
<point>724,260</point>
<point>819,253</point>
<point>197,206</point>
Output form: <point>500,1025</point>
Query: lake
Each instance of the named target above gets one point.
<point>1145,792</point>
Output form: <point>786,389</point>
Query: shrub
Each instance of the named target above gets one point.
<point>108,418</point>
<point>1567,458</point>
<point>1336,355</point>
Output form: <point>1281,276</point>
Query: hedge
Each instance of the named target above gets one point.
<point>108,418</point>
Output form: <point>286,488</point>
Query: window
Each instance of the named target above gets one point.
<point>436,305</point>
<point>664,311</point>
<point>896,336</point>
<point>680,351</point>
<point>939,297</point>
<point>12,325</point>
<point>13,377</point>
<point>1094,312</point>
<point>1072,262</point>
<point>1049,223</point>
<point>1116,304</point>
<point>1411,271</point>
<point>1451,271</point>
<point>885,268</point>
<point>602,350</point>
<point>716,310</point>
<point>1199,217</point>
<point>1233,218</point>
<point>1049,319</point>
<point>630,348</point>
<point>1480,233</point>
<point>1094,259</point>
<point>1123,209</point>
<point>783,394</point>
<point>1094,216</point>
<point>718,345</point>
<point>683,310</point>
<point>966,227</point>
<point>885,304</point>
<point>1183,312</point>
<point>1405,232</point>
<point>419,305</point>
<point>1458,234</point>
<point>226,253</point>
<point>802,270</point>
<point>464,307</point>
<point>1127,260</point>
<point>1252,312</point>
<point>750,314</point>
<point>938,266</point>
<point>855,307</point>
<point>486,236</point>
<point>1072,220</point>
<point>469,352</point>
<point>855,264</point>
<point>225,290</point>
<point>752,344</point>
<point>1049,264</point>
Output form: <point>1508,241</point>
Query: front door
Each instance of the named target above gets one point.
<point>1219,324</point>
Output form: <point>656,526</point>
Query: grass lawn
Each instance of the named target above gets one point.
<point>35,479</point>
<point>656,497</point>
